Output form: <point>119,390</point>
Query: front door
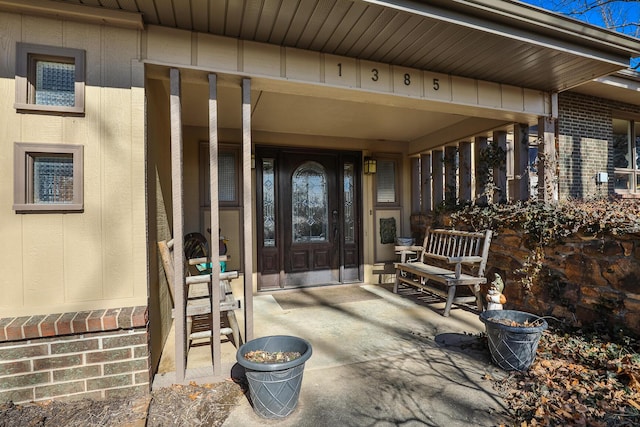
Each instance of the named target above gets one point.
<point>308,213</point>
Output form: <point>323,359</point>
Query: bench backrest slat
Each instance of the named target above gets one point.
<point>453,243</point>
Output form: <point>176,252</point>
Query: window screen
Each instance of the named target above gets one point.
<point>386,181</point>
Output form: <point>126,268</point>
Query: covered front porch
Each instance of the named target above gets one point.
<point>198,117</point>
<point>377,356</point>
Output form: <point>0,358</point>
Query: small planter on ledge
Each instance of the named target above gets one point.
<point>274,387</point>
<point>513,337</point>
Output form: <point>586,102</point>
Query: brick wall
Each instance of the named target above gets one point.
<point>102,353</point>
<point>585,136</point>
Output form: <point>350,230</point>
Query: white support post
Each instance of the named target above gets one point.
<point>216,348</point>
<point>247,209</point>
<point>178,224</point>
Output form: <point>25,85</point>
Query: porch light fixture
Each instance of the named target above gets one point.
<point>369,165</point>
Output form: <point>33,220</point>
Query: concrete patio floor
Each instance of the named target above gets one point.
<point>378,359</point>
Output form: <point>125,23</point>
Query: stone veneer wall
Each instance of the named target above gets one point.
<point>93,354</point>
<point>582,280</point>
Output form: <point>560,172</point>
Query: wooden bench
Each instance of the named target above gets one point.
<point>451,258</point>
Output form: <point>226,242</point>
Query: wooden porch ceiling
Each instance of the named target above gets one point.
<point>500,41</point>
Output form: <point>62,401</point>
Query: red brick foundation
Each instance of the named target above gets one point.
<point>101,353</point>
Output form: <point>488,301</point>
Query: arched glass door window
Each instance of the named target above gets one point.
<point>309,201</point>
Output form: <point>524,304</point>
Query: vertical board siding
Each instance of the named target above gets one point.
<point>97,258</point>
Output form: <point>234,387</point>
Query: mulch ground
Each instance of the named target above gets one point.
<point>175,406</point>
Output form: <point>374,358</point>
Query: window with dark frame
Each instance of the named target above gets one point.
<point>48,178</point>
<point>49,79</point>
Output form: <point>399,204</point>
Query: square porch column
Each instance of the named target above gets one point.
<point>481,170</point>
<point>547,160</point>
<point>425,182</point>
<point>464,173</point>
<point>450,172</point>
<point>437,176</point>
<point>501,193</point>
<point>521,161</point>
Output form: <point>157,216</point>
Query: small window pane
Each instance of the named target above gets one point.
<point>622,181</point>
<point>53,179</point>
<point>386,181</point>
<point>621,146</point>
<point>54,83</point>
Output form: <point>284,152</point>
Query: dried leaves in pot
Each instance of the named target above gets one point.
<point>261,356</point>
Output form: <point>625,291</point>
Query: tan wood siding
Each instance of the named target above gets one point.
<point>95,259</point>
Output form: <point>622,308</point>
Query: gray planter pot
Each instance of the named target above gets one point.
<point>513,348</point>
<point>274,388</point>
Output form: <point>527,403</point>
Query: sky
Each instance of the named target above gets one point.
<point>624,12</point>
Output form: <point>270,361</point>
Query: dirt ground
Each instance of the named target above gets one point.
<point>178,405</point>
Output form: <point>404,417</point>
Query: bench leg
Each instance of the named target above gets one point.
<point>396,282</point>
<point>450,296</point>
<point>189,326</point>
<point>233,323</point>
<point>476,292</point>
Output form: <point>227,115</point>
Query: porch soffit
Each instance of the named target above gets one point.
<point>500,41</point>
<point>320,112</point>
<point>623,86</point>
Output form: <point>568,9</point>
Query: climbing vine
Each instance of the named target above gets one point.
<point>545,224</point>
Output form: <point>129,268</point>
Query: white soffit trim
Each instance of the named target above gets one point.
<point>610,47</point>
<point>620,82</point>
<point>74,12</point>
